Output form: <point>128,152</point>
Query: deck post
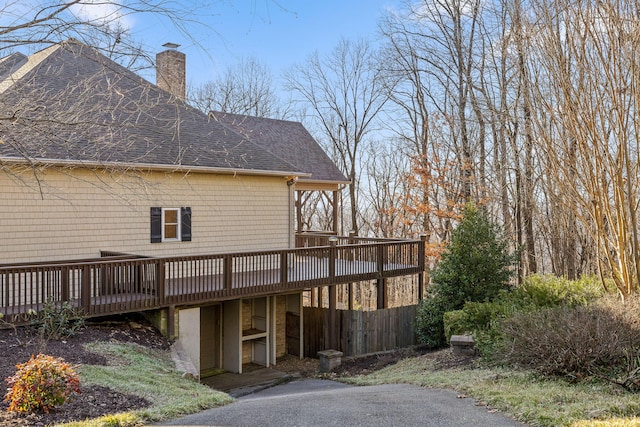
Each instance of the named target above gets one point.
<point>332,293</point>
<point>160,281</point>
<point>336,195</point>
<point>284,267</point>
<point>421,263</point>
<point>86,287</point>
<point>352,234</point>
<point>64,284</point>
<point>228,272</point>
<point>333,241</point>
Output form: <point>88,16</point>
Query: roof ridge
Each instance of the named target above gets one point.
<point>32,62</point>
<point>213,113</point>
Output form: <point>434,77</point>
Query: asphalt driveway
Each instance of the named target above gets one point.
<point>311,402</point>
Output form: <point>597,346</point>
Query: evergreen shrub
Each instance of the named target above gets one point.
<point>475,266</point>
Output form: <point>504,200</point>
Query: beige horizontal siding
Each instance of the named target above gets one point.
<point>75,213</point>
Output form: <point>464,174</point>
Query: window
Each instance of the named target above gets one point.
<point>170,224</point>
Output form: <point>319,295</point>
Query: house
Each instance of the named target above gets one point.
<point>118,196</point>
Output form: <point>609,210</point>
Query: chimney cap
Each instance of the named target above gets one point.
<point>170,45</point>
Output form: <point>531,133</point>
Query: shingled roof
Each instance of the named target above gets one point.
<point>69,104</point>
<point>289,141</point>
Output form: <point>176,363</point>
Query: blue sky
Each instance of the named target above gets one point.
<point>279,33</point>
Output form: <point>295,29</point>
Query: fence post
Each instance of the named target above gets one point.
<point>421,264</point>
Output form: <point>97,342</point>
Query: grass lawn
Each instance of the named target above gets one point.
<point>149,374</point>
<point>527,397</point>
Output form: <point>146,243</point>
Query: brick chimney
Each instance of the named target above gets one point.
<point>171,70</point>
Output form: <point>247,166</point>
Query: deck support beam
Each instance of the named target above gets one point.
<point>382,293</point>
<point>336,195</point>
<point>333,341</point>
<point>171,321</point>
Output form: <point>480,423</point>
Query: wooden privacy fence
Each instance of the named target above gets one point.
<point>360,332</point>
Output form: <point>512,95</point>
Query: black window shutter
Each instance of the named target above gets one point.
<point>156,225</point>
<point>185,228</point>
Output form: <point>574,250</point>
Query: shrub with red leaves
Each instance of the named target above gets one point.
<point>41,384</point>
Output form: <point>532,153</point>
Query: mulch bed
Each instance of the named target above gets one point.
<point>366,364</point>
<point>20,344</point>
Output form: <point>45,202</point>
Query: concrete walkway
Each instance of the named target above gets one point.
<point>312,402</point>
<point>252,381</point>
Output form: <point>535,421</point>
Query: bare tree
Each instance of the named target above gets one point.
<point>344,92</point>
<point>244,88</point>
<point>525,199</point>
<point>589,49</point>
<point>430,52</point>
<point>447,37</point>
<point>387,185</point>
<point>104,25</point>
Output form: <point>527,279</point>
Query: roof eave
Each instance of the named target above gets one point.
<point>150,167</point>
<point>306,184</point>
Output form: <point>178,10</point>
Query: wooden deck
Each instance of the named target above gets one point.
<point>123,283</point>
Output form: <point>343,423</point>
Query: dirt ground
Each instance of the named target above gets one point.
<point>18,346</point>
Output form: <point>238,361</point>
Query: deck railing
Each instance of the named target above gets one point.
<point>119,283</point>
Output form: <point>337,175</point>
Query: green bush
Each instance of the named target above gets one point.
<point>552,291</point>
<point>474,316</point>
<point>536,292</point>
<point>41,384</point>
<point>457,322</point>
<point>475,266</point>
<point>430,324</point>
